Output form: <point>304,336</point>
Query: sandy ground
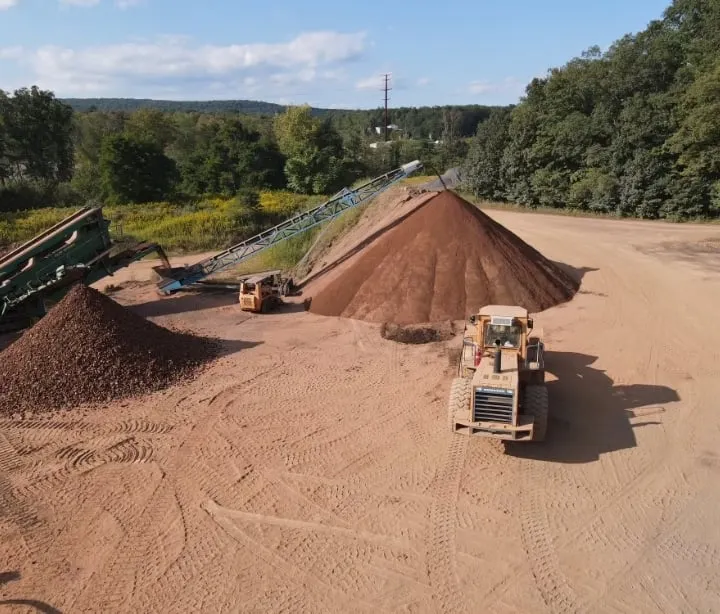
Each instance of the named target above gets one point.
<point>311,470</point>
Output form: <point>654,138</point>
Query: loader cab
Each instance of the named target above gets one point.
<point>511,326</point>
<point>507,325</point>
<point>507,334</point>
<point>250,296</point>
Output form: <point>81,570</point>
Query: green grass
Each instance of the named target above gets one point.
<point>418,179</point>
<point>20,226</point>
<point>180,229</point>
<point>288,254</point>
<point>282,256</point>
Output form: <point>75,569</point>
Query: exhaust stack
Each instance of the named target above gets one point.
<point>497,364</point>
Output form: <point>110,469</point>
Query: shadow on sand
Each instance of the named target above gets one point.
<point>199,301</point>
<point>295,306</point>
<point>589,414</point>
<point>8,339</point>
<point>227,347</point>
<point>185,303</point>
<point>40,606</point>
<point>575,273</point>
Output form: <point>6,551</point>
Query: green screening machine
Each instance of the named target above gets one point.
<point>39,272</point>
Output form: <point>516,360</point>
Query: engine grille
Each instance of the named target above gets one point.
<point>493,405</point>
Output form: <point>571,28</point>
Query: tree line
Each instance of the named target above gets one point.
<point>633,131</point>
<point>416,122</point>
<point>52,155</point>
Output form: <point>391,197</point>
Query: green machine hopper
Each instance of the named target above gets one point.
<point>77,249</point>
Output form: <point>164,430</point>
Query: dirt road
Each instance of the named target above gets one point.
<point>311,470</point>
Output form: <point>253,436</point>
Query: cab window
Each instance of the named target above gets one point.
<point>509,336</point>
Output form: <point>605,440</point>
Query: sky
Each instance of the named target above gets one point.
<point>327,53</point>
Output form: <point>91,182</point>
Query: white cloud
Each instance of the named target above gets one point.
<point>509,85</point>
<point>7,4</point>
<point>370,83</point>
<point>176,63</point>
<point>125,4</point>
<point>10,53</point>
<point>423,81</point>
<point>80,2</point>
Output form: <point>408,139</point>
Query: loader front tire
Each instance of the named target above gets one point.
<point>536,405</point>
<point>459,402</point>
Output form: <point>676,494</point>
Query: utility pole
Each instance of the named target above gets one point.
<point>386,89</point>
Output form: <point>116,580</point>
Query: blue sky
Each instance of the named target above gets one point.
<point>327,53</point>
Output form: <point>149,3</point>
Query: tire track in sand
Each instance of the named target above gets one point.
<point>15,510</point>
<point>441,551</point>
<point>538,545</point>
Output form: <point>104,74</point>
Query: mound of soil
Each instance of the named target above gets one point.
<point>443,262</point>
<point>89,349</point>
<point>417,333</point>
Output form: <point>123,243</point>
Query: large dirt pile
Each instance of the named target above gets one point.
<point>90,349</point>
<point>443,262</point>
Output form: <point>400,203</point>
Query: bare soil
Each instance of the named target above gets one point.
<point>310,469</point>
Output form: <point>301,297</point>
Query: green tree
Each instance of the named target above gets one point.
<point>632,131</point>
<point>314,151</point>
<point>90,130</point>
<point>697,140</point>
<point>229,157</point>
<point>37,137</point>
<point>134,171</point>
<point>153,126</point>
<point>483,166</point>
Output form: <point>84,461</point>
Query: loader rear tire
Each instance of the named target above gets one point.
<point>459,402</point>
<point>536,405</point>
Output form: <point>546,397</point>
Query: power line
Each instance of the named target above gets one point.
<point>386,89</point>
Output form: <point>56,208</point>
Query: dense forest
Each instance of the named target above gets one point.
<point>415,122</point>
<point>52,155</point>
<point>128,105</point>
<point>633,131</point>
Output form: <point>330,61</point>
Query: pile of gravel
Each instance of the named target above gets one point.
<point>442,262</point>
<point>90,350</point>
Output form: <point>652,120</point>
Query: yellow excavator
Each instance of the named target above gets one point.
<point>500,391</point>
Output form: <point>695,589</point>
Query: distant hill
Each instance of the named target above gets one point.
<point>415,122</point>
<point>200,106</point>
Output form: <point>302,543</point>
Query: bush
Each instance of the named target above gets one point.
<point>22,195</point>
<point>282,202</point>
<point>20,226</point>
<point>213,223</point>
<point>244,210</point>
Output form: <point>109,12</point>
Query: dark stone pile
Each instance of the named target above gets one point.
<point>418,333</point>
<point>90,350</point>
